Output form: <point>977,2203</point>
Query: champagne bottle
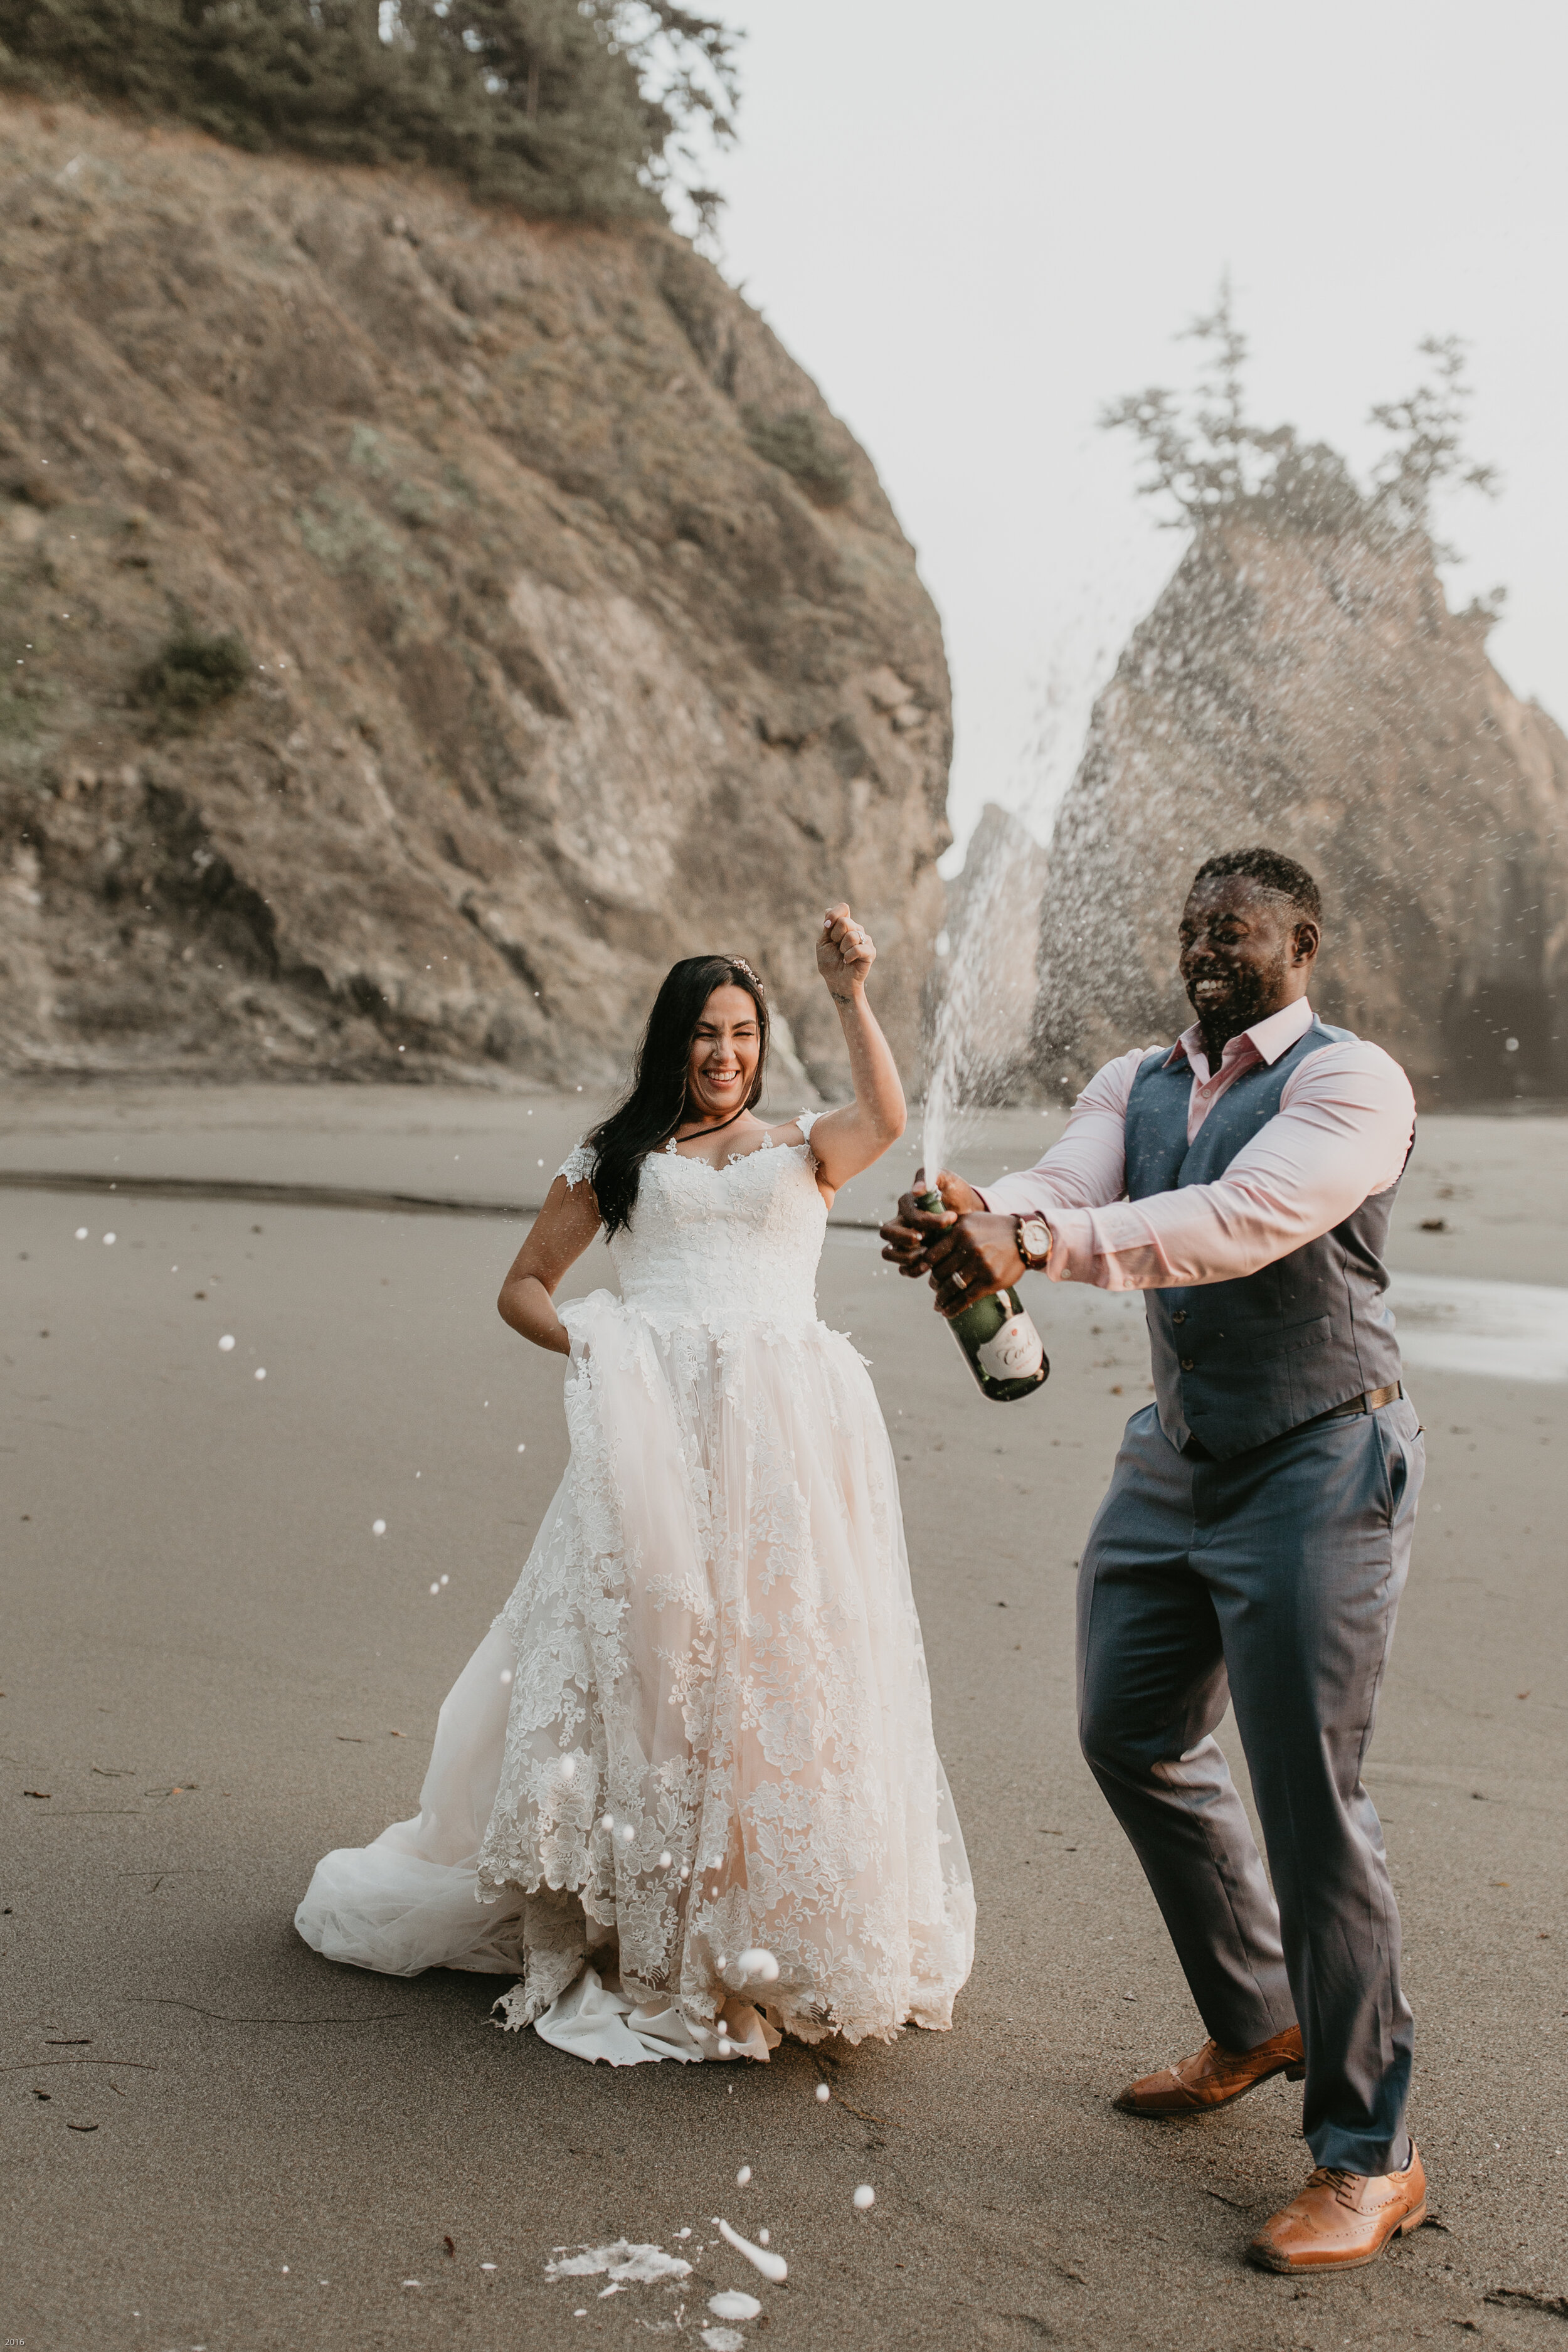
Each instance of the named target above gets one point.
<point>1000,1343</point>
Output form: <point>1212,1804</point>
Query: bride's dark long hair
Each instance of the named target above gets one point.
<point>655,1103</point>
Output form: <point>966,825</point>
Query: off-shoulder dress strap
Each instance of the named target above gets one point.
<point>805,1121</point>
<point>578,1165</point>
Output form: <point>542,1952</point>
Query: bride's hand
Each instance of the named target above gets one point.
<point>914,1231</point>
<point>844,1141</point>
<point>844,952</point>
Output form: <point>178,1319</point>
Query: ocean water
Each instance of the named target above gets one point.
<point>1510,1330</point>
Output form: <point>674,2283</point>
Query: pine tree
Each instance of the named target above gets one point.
<point>1216,464</point>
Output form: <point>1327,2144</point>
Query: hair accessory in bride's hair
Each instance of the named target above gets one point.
<point>742,965</point>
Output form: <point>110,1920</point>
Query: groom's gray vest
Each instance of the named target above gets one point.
<point>1236,1363</point>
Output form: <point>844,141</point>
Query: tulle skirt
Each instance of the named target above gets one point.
<point>687,1787</point>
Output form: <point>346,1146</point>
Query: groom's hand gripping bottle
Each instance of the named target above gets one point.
<point>998,1338</point>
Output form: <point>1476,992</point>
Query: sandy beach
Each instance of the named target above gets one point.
<point>216,1670</point>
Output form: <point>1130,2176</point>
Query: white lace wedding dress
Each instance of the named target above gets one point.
<point>686,1784</point>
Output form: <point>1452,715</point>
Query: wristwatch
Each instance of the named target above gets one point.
<point>1034,1241</point>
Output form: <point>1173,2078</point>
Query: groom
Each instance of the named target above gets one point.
<point>1257,1532</point>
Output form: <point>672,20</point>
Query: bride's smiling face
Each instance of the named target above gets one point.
<point>722,1061</point>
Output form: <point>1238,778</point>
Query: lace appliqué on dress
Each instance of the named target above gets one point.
<point>579,1164</point>
<point>719,1732</point>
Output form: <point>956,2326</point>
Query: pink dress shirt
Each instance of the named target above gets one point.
<point>1342,1132</point>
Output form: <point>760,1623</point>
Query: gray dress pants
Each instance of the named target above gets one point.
<point>1273,1579</point>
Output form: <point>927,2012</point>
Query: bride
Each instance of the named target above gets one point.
<point>687,1785</point>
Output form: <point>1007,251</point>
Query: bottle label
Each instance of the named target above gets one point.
<point>1014,1353</point>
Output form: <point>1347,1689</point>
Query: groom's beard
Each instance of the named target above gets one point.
<point>1253,991</point>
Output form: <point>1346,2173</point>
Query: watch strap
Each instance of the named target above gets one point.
<point>1031,1259</point>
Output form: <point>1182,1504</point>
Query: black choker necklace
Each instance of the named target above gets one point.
<point>718,1129</point>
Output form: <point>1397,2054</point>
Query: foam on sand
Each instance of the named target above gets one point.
<point>733,2304</point>
<point>625,2264</point>
<point>772,2266</point>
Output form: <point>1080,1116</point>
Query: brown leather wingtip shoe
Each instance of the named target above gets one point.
<point>1215,2077</point>
<point>1342,2220</point>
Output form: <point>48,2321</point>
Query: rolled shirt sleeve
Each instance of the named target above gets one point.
<point>1341,1133</point>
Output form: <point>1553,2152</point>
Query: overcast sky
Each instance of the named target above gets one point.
<point>975,225</point>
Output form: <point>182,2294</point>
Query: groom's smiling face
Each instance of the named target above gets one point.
<point>1245,952</point>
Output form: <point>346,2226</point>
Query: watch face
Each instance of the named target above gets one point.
<point>1035,1237</point>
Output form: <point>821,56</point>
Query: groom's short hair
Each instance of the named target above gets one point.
<point>1272,870</point>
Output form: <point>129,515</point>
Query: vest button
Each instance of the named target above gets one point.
<point>1186,1363</point>
<point>1180,1316</point>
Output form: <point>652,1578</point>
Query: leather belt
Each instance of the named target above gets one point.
<point>1369,1401</point>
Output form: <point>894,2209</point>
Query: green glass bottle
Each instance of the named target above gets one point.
<point>1000,1343</point>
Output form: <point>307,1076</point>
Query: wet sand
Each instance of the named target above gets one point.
<point>216,1670</point>
<point>1483,1197</point>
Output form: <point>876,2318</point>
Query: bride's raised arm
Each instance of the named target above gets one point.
<point>845,1142</point>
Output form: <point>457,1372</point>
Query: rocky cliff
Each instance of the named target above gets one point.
<point>1311,689</point>
<point>419,626</point>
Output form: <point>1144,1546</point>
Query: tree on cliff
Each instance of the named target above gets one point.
<point>1300,680</point>
<point>1214,464</point>
<point>587,108</point>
